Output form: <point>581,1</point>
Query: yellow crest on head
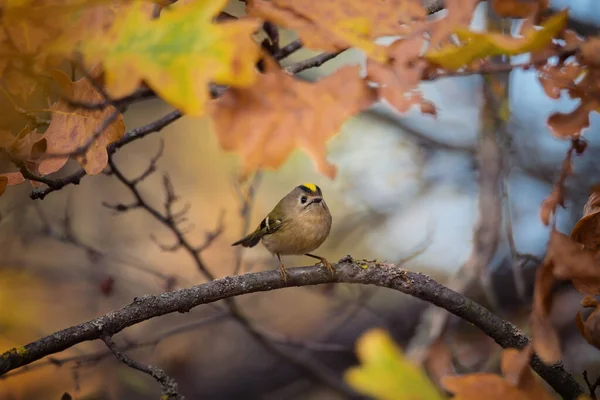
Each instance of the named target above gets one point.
<point>310,186</point>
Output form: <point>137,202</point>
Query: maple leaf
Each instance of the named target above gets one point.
<point>336,25</point>
<point>264,123</point>
<point>178,54</point>
<point>72,127</point>
<point>477,45</point>
<point>385,374</point>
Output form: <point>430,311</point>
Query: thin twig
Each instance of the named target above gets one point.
<point>591,386</point>
<point>168,384</point>
<point>312,62</point>
<point>130,136</point>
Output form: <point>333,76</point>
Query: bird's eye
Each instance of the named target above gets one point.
<point>303,199</point>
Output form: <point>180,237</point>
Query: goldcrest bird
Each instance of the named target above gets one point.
<point>298,225</point>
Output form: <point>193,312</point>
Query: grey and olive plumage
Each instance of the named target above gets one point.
<point>298,225</point>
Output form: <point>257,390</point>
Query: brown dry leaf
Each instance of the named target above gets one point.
<point>590,52</point>
<point>438,362</point>
<point>336,25</point>
<point>482,386</point>
<point>516,371</point>
<point>3,184</point>
<point>518,381</point>
<point>518,8</point>
<point>458,15</point>
<point>74,127</point>
<point>590,328</point>
<point>544,337</point>
<point>586,87</point>
<point>575,263</point>
<point>399,77</point>
<point>556,78</point>
<point>266,122</point>
<point>587,229</point>
<point>557,196</point>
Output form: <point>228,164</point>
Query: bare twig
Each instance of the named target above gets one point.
<point>247,200</point>
<point>130,136</point>
<point>168,384</point>
<point>591,386</point>
<point>312,62</point>
<point>347,270</point>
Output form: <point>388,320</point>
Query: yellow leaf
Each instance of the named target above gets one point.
<point>385,374</point>
<point>479,45</point>
<point>178,54</point>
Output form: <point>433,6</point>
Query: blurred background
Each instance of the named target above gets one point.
<point>406,191</point>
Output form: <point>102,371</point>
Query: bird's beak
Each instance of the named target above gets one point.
<point>316,200</point>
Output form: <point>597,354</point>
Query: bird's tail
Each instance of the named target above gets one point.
<point>249,240</point>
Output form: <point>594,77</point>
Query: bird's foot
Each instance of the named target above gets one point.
<point>329,267</point>
<point>283,272</point>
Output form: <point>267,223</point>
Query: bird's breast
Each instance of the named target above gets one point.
<point>300,235</point>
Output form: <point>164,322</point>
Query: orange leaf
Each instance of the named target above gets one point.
<point>590,328</point>
<point>74,127</point>
<point>590,51</point>
<point>518,8</point>
<point>399,77</point>
<point>544,337</point>
<point>516,371</point>
<point>482,386</point>
<point>266,122</point>
<point>337,24</point>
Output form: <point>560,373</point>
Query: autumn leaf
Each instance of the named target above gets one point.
<point>73,127</point>
<point>384,372</point>
<point>557,196</point>
<point>518,381</point>
<point>477,45</point>
<point>336,25</point>
<point>518,8</point>
<point>3,184</point>
<point>399,77</point>
<point>544,336</point>
<point>178,54</point>
<point>565,260</point>
<point>266,122</point>
<point>590,327</point>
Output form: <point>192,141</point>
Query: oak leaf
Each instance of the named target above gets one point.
<point>336,25</point>
<point>74,127</point>
<point>477,45</point>
<point>517,383</point>
<point>400,76</point>
<point>178,54</point>
<point>266,122</point>
<point>385,374</point>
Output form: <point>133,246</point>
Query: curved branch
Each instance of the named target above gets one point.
<point>348,270</point>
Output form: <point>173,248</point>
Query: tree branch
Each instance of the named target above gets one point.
<point>369,273</point>
<point>130,136</point>
<point>168,384</point>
